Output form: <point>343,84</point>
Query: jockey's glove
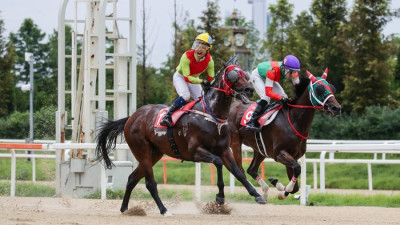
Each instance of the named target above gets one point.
<point>285,100</point>
<point>206,85</point>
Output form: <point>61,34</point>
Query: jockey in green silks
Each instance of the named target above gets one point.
<point>186,78</point>
<point>265,79</point>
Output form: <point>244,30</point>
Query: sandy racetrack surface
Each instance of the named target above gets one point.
<point>23,210</point>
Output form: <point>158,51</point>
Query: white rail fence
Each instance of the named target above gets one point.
<point>323,147</point>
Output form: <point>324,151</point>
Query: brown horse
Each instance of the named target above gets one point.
<point>284,139</point>
<point>202,135</point>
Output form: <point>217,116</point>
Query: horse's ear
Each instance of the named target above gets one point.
<point>332,88</point>
<point>325,74</point>
<point>311,77</point>
<point>247,74</point>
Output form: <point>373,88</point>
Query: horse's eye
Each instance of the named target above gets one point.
<point>232,76</point>
<point>320,90</point>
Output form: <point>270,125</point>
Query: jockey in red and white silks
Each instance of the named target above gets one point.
<point>186,79</point>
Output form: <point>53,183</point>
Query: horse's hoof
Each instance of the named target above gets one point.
<point>261,200</point>
<point>281,196</point>
<point>123,209</point>
<point>167,214</point>
<point>220,200</point>
<point>273,181</point>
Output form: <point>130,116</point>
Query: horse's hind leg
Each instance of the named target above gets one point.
<point>293,170</point>
<point>253,171</point>
<point>133,179</point>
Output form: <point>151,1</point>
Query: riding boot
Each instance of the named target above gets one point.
<point>253,123</point>
<point>178,103</point>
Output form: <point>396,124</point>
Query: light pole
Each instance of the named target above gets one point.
<point>29,58</point>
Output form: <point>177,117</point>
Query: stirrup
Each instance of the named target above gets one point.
<point>167,121</point>
<point>252,127</point>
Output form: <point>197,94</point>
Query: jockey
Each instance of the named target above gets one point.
<point>265,80</point>
<point>186,78</point>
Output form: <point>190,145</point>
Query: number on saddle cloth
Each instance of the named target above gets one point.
<point>268,114</point>
<point>175,115</point>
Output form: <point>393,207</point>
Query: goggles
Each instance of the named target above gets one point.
<point>200,44</point>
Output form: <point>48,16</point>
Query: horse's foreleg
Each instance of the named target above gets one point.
<point>293,170</point>
<point>230,164</point>
<point>253,171</point>
<point>203,155</point>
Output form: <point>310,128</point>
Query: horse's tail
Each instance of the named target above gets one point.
<point>107,138</point>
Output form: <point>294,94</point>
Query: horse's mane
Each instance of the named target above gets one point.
<point>302,86</point>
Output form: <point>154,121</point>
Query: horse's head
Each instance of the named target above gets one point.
<point>235,82</point>
<point>322,93</point>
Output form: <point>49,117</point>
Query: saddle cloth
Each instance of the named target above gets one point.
<point>267,117</point>
<point>175,115</point>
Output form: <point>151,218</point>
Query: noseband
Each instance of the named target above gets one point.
<point>228,84</point>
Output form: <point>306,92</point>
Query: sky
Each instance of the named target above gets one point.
<point>160,14</point>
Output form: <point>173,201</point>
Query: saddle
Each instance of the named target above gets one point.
<point>269,113</point>
<point>175,115</point>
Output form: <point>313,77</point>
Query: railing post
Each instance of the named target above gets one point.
<point>303,180</point>
<point>322,172</point>
<point>370,186</point>
<point>198,181</point>
<point>13,168</point>
<point>315,175</point>
<point>103,182</point>
<point>33,160</point>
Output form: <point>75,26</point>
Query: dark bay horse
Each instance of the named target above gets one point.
<point>284,139</point>
<point>202,135</point>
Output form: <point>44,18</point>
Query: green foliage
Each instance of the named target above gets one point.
<point>376,123</point>
<point>7,60</point>
<point>29,38</point>
<point>368,71</point>
<point>354,200</point>
<point>323,39</point>
<point>279,29</point>
<point>211,23</point>
<point>16,126</point>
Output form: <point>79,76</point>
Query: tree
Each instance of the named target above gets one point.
<point>29,38</point>
<point>368,71</point>
<point>325,42</point>
<point>210,22</point>
<point>7,60</point>
<point>280,27</point>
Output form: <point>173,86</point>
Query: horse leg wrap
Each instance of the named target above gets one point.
<point>264,187</point>
<point>290,186</point>
<point>280,187</point>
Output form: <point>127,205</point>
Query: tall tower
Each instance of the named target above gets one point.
<point>259,16</point>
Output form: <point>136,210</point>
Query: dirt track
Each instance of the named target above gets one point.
<point>22,210</point>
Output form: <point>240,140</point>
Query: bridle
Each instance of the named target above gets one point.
<point>228,84</point>
<point>319,103</point>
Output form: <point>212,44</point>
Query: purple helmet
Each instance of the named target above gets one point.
<point>291,62</point>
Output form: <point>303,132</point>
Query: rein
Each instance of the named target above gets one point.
<point>205,106</point>
<point>321,106</point>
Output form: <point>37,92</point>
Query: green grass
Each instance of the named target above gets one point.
<point>27,189</point>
